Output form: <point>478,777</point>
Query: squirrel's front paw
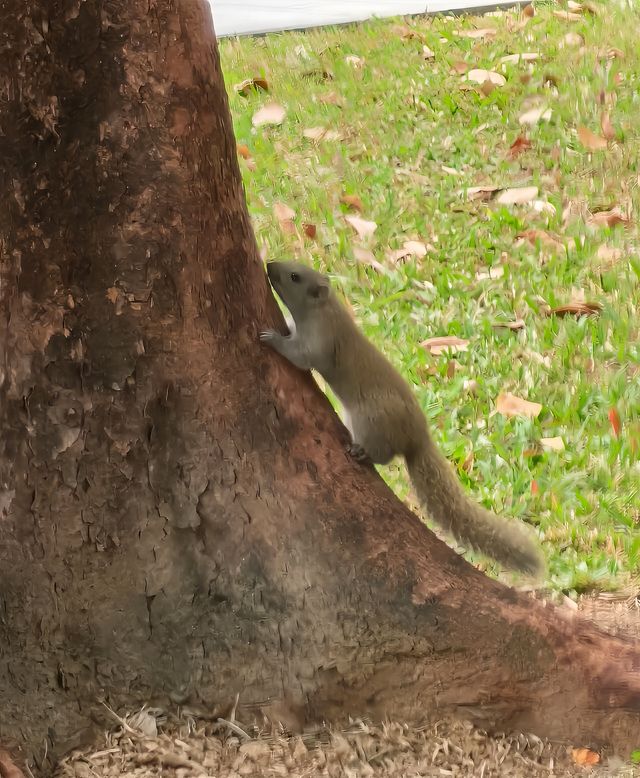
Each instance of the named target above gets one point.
<point>268,335</point>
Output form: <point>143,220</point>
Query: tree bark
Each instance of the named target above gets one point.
<point>179,518</point>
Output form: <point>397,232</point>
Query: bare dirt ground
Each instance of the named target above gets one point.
<point>152,742</point>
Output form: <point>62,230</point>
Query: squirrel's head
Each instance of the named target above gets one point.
<point>299,287</point>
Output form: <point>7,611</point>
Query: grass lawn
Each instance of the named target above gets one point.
<point>388,113</point>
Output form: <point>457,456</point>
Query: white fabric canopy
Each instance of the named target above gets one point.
<point>240,17</point>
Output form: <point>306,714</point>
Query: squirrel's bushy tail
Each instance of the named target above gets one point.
<point>508,542</point>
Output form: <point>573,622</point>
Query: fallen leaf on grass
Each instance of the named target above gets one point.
<point>582,8</point>
<point>535,115</point>
<point>427,53</point>
<point>584,756</point>
<point>528,11</point>
<point>517,195</point>
<point>607,128</point>
<point>411,248</point>
<point>355,61</point>
<point>567,16</point>
<point>554,444</point>
<point>459,66</point>
<point>243,151</point>
<point>310,230</point>
<point>479,34</point>
<point>272,113</point>
<point>544,238</point>
<point>321,133</point>
<point>572,39</point>
<point>249,84</point>
<point>480,76</point>
<point>614,53</point>
<point>590,140</point>
<point>576,308</point>
<point>352,201</point>
<point>285,217</point>
<point>609,253</point>
<point>614,420</point>
<point>363,227</point>
<point>510,405</point>
<point>517,324</point>
<point>480,192</point>
<point>406,33</point>
<point>416,248</point>
<point>490,274</point>
<point>519,145</point>
<point>610,218</point>
<point>528,56</point>
<point>332,98</point>
<point>366,257</point>
<point>445,343</point>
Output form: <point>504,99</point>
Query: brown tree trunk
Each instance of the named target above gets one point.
<point>178,517</point>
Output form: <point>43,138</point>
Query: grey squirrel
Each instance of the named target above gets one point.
<point>382,413</point>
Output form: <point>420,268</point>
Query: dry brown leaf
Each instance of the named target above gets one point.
<point>427,53</point>
<point>272,113</point>
<point>318,134</point>
<point>609,218</point>
<point>352,201</point>
<point>459,66</point>
<point>310,230</point>
<point>366,257</point>
<point>410,248</point>
<point>406,33</point>
<point>553,444</point>
<point>249,84</point>
<point>584,756</point>
<point>590,140</point>
<point>416,248</point>
<point>542,206</point>
<point>243,151</point>
<point>607,128</point>
<point>567,16</point>
<point>480,76</point>
<point>528,11</point>
<point>573,39</point>
<point>614,53</point>
<point>450,170</point>
<point>519,145</point>
<point>576,308</point>
<point>480,192</point>
<point>511,405</point>
<point>363,227</point>
<point>479,34</point>
<point>535,115</point>
<point>112,294</point>
<point>544,238</point>
<point>518,195</point>
<point>285,217</point>
<point>582,8</point>
<point>355,61</point>
<point>529,56</point>
<point>491,273</point>
<point>445,343</point>
<point>331,98</point>
<point>517,324</point>
<point>609,254</point>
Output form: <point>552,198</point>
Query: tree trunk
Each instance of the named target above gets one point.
<point>179,519</point>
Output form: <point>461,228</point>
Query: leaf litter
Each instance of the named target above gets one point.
<point>199,745</point>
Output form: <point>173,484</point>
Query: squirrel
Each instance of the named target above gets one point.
<point>382,413</point>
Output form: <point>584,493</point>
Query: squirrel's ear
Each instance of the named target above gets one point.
<point>319,291</point>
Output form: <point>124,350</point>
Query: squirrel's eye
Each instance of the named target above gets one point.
<point>295,278</point>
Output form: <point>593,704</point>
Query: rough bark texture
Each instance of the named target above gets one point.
<point>178,518</point>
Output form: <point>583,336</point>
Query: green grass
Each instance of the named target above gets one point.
<point>401,120</point>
